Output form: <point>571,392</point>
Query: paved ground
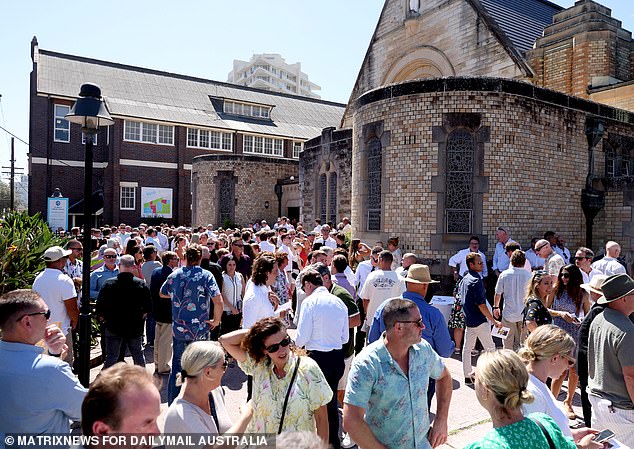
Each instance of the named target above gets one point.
<point>467,419</point>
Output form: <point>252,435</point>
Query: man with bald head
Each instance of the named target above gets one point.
<point>407,261</point>
<point>609,265</point>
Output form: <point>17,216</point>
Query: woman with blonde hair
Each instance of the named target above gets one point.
<point>535,310</point>
<point>501,388</point>
<point>548,352</point>
<point>200,408</point>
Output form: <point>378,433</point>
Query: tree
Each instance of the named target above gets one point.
<point>5,197</point>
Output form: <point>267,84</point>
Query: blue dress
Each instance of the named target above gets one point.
<point>564,303</point>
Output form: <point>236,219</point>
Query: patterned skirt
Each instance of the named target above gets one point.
<point>456,318</point>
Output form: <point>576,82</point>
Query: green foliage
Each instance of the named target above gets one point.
<point>23,240</point>
<point>228,224</point>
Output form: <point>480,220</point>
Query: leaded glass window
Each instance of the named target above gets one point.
<point>374,184</point>
<point>459,182</point>
<point>226,199</point>
<point>332,197</point>
<point>323,198</point>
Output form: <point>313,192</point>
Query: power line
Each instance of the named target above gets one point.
<point>29,145</point>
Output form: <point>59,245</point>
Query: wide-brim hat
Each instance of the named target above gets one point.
<point>54,253</point>
<point>616,287</point>
<point>419,274</point>
<point>595,284</point>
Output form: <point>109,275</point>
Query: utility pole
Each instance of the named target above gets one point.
<point>11,173</point>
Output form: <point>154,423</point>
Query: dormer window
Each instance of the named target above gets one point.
<point>247,109</point>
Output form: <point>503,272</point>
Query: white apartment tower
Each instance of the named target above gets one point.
<point>269,71</point>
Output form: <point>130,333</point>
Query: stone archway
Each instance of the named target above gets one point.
<point>424,62</point>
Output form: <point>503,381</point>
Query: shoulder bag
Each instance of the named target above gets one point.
<point>288,393</point>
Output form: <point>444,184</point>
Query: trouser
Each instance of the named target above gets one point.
<point>618,420</point>
<point>230,322</point>
<point>514,339</point>
<point>585,402</point>
<point>150,327</point>
<point>114,343</point>
<point>332,365</point>
<point>471,335</point>
<point>70,356</point>
<point>360,336</point>
<point>178,348</point>
<point>162,347</point>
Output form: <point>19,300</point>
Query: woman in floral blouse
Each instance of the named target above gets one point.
<point>535,310</point>
<point>266,352</point>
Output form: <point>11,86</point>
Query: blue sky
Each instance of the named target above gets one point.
<point>192,37</point>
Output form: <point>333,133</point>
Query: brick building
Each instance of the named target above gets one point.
<point>467,115</point>
<point>164,124</point>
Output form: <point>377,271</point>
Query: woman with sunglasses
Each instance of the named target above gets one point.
<point>548,352</point>
<point>200,408</point>
<point>535,311</point>
<point>570,305</point>
<point>280,373</point>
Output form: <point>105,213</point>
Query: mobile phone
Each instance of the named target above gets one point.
<point>603,436</point>
<point>575,320</point>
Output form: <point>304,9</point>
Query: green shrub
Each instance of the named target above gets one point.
<point>23,240</point>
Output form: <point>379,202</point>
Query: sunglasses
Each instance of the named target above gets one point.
<point>276,347</point>
<point>565,275</point>
<point>76,249</point>
<point>418,322</point>
<point>571,361</point>
<point>46,314</point>
<point>109,257</point>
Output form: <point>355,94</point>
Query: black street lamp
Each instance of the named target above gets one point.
<point>90,112</point>
<point>592,200</point>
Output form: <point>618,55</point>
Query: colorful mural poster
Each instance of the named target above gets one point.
<point>156,202</point>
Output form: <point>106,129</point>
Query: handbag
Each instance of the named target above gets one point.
<point>551,444</point>
<point>288,393</point>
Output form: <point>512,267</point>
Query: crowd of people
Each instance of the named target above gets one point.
<point>365,338</point>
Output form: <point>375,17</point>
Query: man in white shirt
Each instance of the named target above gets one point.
<point>323,329</point>
<point>583,261</point>
<point>458,261</point>
<point>325,238</point>
<point>500,260</point>
<point>58,292</point>
<point>264,226</point>
<point>512,283</point>
<point>561,249</point>
<point>407,261</point>
<point>265,244</point>
<point>553,262</point>
<point>317,228</point>
<point>537,263</point>
<point>609,265</point>
<point>285,247</point>
<point>152,239</point>
<point>380,285</point>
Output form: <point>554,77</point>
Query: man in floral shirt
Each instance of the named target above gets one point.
<point>385,404</point>
<point>191,290</point>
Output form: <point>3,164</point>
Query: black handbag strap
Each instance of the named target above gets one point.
<point>551,444</point>
<point>288,393</point>
<point>214,414</point>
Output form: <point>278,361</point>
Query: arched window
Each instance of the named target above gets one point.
<point>332,197</point>
<point>459,182</point>
<point>323,198</point>
<point>374,184</point>
<point>226,200</point>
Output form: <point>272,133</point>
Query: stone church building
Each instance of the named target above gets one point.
<point>468,115</point>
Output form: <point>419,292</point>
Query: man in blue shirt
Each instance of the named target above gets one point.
<point>107,271</point>
<point>435,331</point>
<point>191,290</point>
<point>40,394</point>
<point>476,313</point>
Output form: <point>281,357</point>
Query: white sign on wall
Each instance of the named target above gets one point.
<point>156,202</point>
<point>57,214</point>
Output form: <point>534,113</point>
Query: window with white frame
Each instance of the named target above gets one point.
<point>83,138</point>
<point>62,126</point>
<point>148,132</point>
<point>268,146</point>
<point>128,195</point>
<point>298,147</point>
<point>208,139</point>
<point>247,109</point>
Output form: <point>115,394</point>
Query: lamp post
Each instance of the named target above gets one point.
<point>592,200</point>
<point>90,112</point>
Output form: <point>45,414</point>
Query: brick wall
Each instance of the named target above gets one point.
<point>330,152</point>
<point>255,183</point>
<point>535,160</point>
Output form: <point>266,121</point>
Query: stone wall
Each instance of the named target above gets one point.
<point>533,167</point>
<point>329,153</point>
<point>255,178</point>
<point>402,41</point>
<point>620,96</point>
